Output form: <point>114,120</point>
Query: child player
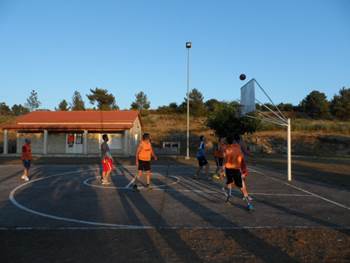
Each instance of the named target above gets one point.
<point>107,161</point>
<point>233,162</point>
<point>144,155</point>
<point>26,159</point>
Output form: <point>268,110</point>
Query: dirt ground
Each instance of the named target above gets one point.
<point>306,220</point>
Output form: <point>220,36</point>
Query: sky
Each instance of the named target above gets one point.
<point>56,47</point>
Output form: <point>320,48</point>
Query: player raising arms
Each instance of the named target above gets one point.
<point>143,156</point>
<point>233,162</point>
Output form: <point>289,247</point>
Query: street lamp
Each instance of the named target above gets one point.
<point>188,46</point>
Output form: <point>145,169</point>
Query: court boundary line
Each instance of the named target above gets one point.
<point>302,190</point>
<point>271,227</point>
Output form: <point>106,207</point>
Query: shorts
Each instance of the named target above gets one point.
<point>202,161</point>
<point>219,161</point>
<point>234,175</point>
<point>26,164</point>
<point>107,165</point>
<point>144,165</point>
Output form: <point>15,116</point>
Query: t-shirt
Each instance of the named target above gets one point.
<point>105,152</point>
<point>145,153</point>
<point>219,151</point>
<point>26,152</point>
<point>234,156</point>
<point>201,150</point>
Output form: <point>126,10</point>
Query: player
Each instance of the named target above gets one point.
<point>233,161</point>
<point>244,169</point>
<point>219,159</point>
<point>202,160</point>
<point>144,155</point>
<point>107,161</point>
<point>26,158</point>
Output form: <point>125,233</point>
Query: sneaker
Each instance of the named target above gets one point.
<point>135,188</point>
<point>148,187</point>
<point>105,182</point>
<point>224,190</point>
<point>227,198</point>
<point>248,198</point>
<point>216,177</point>
<point>26,178</point>
<point>23,177</point>
<point>250,207</point>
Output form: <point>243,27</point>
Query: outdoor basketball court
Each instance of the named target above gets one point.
<point>71,197</point>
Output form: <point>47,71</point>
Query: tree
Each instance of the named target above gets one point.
<point>141,102</point>
<point>340,104</point>
<point>197,107</point>
<point>211,104</point>
<point>285,106</point>
<point>315,105</point>
<point>225,120</point>
<point>33,102</point>
<point>4,109</point>
<point>63,106</point>
<point>77,102</point>
<point>19,109</point>
<point>104,100</point>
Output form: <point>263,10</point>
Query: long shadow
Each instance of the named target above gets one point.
<point>173,240</point>
<point>310,218</point>
<point>247,240</point>
<point>15,174</point>
<point>134,220</point>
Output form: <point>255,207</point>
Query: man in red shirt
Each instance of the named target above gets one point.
<point>26,159</point>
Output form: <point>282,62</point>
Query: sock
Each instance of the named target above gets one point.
<point>246,199</point>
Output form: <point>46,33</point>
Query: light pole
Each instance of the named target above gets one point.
<point>188,46</point>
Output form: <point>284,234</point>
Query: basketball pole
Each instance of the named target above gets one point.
<point>188,46</point>
<point>289,145</point>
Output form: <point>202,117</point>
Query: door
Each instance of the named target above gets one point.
<point>74,143</point>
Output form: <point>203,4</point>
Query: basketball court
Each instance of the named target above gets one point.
<point>64,196</point>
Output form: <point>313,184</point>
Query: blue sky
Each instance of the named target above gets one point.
<point>56,47</point>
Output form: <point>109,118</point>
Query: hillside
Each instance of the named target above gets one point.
<point>308,137</point>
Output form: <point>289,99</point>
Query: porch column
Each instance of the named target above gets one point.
<point>5,142</point>
<point>85,142</point>
<point>45,142</point>
<point>126,143</point>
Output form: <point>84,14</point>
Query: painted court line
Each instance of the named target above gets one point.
<point>303,190</point>
<point>29,228</point>
<point>60,218</point>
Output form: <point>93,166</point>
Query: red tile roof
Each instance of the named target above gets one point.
<point>75,120</point>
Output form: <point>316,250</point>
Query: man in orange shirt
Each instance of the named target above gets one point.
<point>26,158</point>
<point>233,163</point>
<point>144,155</point>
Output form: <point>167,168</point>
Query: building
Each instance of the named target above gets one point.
<point>76,133</point>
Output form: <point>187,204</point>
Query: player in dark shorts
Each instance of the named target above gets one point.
<point>233,162</point>
<point>202,160</point>
<point>219,159</point>
<point>144,155</point>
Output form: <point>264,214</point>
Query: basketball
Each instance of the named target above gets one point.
<point>242,77</point>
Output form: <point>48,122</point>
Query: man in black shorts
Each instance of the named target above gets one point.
<point>233,162</point>
<point>144,155</point>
